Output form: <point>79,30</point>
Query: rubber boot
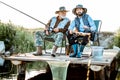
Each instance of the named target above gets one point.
<point>74,46</point>
<point>80,51</point>
<point>82,48</point>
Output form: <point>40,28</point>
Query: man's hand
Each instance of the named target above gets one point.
<point>47,32</point>
<point>56,29</point>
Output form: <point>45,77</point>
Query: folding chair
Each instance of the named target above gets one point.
<point>98,24</point>
<point>52,40</point>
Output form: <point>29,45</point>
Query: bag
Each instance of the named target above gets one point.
<point>72,38</point>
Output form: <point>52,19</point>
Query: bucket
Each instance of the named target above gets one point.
<point>2,47</point>
<point>97,52</point>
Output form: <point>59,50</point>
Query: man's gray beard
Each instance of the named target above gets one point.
<point>63,17</point>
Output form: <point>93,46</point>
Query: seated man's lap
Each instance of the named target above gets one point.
<point>40,36</point>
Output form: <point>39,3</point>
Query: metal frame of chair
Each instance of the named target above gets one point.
<point>52,40</point>
<point>98,24</point>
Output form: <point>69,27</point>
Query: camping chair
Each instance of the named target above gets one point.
<point>98,24</point>
<point>52,40</point>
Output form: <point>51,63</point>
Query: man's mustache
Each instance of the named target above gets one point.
<point>79,13</point>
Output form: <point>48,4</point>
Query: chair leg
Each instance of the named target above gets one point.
<point>62,46</point>
<point>98,42</point>
<point>45,47</point>
<point>67,49</point>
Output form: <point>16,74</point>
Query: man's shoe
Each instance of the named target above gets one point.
<point>37,54</point>
<point>53,55</point>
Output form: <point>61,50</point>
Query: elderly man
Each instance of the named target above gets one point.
<point>82,23</point>
<point>55,29</point>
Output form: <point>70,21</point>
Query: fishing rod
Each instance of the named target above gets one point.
<point>24,13</point>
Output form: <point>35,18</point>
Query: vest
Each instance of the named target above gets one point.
<point>85,21</point>
<point>60,25</point>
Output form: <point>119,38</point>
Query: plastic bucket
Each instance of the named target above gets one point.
<point>97,52</point>
<point>2,47</point>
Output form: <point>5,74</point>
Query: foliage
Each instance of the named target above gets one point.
<point>117,38</point>
<point>7,34</point>
<point>15,36</point>
<point>23,41</point>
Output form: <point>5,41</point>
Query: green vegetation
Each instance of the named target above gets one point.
<point>17,37</point>
<point>117,43</point>
<point>7,34</point>
<point>117,38</point>
<point>23,41</point>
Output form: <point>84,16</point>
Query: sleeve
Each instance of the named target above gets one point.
<point>72,25</point>
<point>91,23</point>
